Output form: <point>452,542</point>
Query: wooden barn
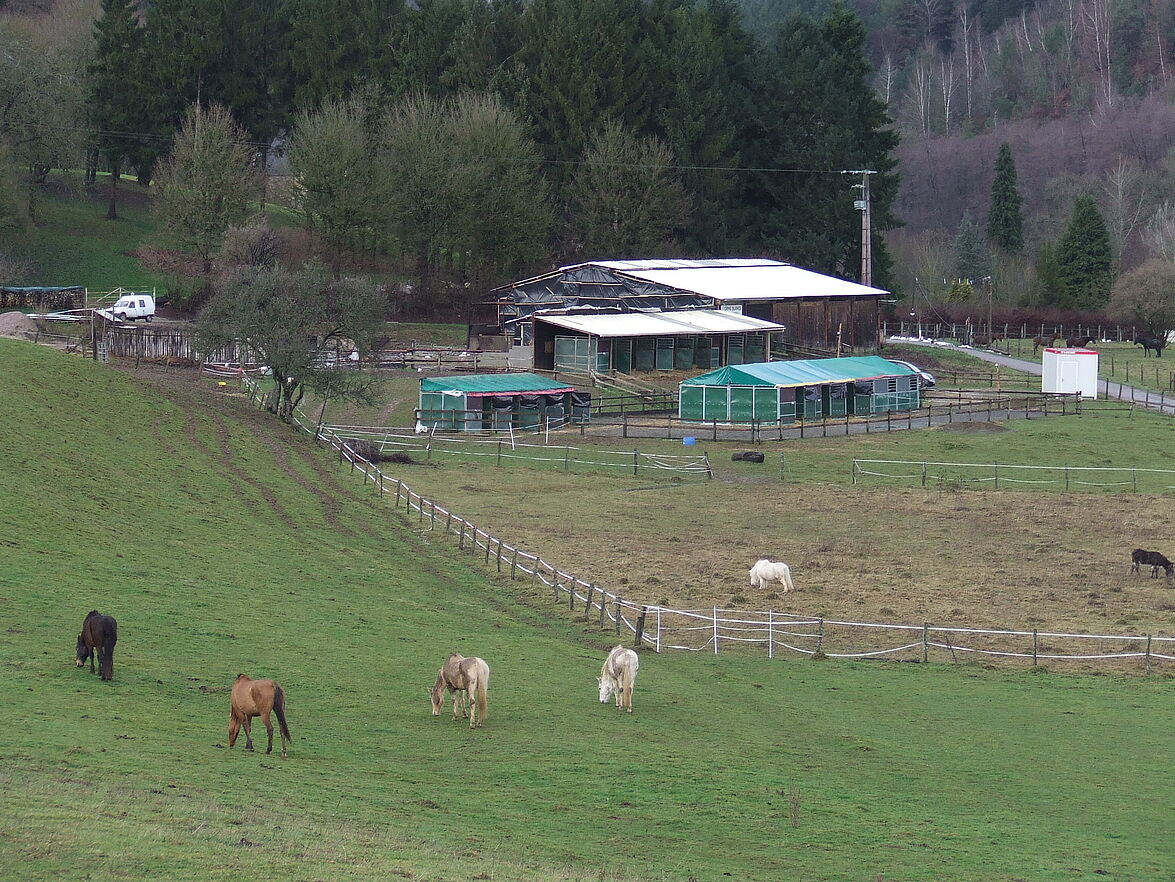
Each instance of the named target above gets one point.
<point>630,342</point>
<point>817,310</point>
<point>499,403</point>
<point>785,391</point>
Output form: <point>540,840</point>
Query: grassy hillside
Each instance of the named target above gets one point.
<point>73,243</point>
<point>222,543</point>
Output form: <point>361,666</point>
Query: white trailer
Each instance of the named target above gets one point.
<point>1069,370</point>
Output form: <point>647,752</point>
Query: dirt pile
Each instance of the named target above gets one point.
<point>18,325</point>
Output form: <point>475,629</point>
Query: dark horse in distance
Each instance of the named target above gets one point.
<point>1158,344</point>
<point>1152,559</point>
<point>99,634</point>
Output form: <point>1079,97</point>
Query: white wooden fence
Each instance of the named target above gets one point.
<point>717,630</point>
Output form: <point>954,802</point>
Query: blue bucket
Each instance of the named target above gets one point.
<point>689,440</point>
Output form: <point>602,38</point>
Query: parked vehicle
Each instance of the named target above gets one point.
<point>926,378</point>
<point>130,307</point>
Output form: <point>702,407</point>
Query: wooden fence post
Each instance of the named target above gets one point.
<point>640,627</point>
<point>715,630</point>
<point>571,596</point>
<point>499,555</point>
<point>461,538</point>
<point>616,609</point>
<point>925,641</point>
<point>1148,653</point>
<point>1034,647</point>
<point>587,605</point>
<point>514,565</point>
<point>603,601</point>
<point>820,637</point>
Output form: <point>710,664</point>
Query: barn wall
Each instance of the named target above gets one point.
<point>812,322</point>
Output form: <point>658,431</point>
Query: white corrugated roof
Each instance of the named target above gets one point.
<point>738,280</point>
<point>652,324</point>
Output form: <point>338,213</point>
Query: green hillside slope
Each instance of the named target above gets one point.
<point>223,543</point>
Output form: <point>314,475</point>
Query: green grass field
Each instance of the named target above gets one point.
<point>223,543</point>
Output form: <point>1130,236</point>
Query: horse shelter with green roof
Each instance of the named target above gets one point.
<point>812,389</point>
<point>499,403</point>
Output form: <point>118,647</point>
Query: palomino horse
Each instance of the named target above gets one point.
<point>619,675</point>
<point>459,674</point>
<point>766,571</point>
<point>256,698</point>
<point>99,633</point>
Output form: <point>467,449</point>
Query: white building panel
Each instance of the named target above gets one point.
<point>1069,370</point>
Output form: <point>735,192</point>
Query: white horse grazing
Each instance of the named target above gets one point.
<point>766,571</point>
<point>619,675</point>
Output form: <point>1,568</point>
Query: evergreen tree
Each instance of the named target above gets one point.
<point>1048,283</point>
<point>1005,225</point>
<point>207,51</point>
<point>972,262</point>
<point>584,63</point>
<point>816,117</point>
<point>1085,257</point>
<point>705,67</point>
<point>336,46</point>
<point>116,108</point>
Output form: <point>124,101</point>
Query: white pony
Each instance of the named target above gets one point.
<point>619,675</point>
<point>766,571</point>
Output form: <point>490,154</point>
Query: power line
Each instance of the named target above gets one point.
<point>516,160</point>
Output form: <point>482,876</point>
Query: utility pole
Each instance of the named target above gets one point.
<point>864,205</point>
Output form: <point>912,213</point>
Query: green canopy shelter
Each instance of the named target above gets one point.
<point>498,402</point>
<point>782,391</point>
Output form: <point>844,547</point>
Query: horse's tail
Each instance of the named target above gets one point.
<point>279,708</point>
<point>787,578</point>
<point>483,683</point>
<point>108,636</point>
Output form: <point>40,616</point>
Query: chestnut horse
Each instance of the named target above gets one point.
<point>459,674</point>
<point>256,698</point>
<point>99,633</point>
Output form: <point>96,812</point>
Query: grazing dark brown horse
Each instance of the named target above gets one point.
<point>1152,559</point>
<point>1149,343</point>
<point>256,698</point>
<point>99,634</point>
<point>1043,342</point>
<point>1078,342</point>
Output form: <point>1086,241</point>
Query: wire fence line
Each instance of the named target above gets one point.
<point>1005,475</point>
<point>716,630</point>
<point>508,449</point>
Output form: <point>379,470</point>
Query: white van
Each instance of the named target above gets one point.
<point>129,307</point>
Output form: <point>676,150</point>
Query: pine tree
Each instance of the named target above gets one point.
<point>115,105</point>
<point>1085,257</point>
<point>1048,284</point>
<point>1005,224</point>
<point>972,262</point>
<point>815,110</point>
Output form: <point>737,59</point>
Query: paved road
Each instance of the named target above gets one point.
<point>1140,397</point>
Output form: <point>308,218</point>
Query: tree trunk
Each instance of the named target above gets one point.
<point>112,207</point>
